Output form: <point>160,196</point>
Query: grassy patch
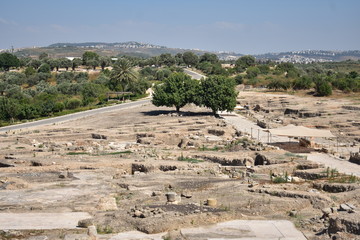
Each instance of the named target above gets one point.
<point>205,148</point>
<point>104,229</point>
<point>190,160</point>
<point>116,153</point>
<point>288,154</point>
<point>345,179</point>
<point>77,153</point>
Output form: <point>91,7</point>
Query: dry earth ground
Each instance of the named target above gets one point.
<point>119,166</point>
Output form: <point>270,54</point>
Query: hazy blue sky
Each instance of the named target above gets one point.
<point>252,26</point>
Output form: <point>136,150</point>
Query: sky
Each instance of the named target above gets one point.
<point>241,26</point>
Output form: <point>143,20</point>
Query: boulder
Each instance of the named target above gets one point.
<point>107,204</point>
<point>84,223</point>
<point>216,132</point>
<point>98,136</point>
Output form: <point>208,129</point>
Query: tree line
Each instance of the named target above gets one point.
<point>38,89</point>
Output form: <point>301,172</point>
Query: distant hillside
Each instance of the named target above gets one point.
<point>308,56</point>
<point>102,45</point>
<point>107,49</point>
<point>146,50</point>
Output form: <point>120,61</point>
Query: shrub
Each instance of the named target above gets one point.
<point>324,89</point>
<point>73,103</point>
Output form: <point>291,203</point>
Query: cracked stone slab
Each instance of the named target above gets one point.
<point>40,221</point>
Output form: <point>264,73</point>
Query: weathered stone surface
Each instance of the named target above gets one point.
<point>355,158</point>
<point>166,168</point>
<point>137,167</point>
<point>107,204</point>
<point>311,174</point>
<point>98,136</point>
<point>216,132</point>
<point>84,223</point>
<point>345,222</point>
<point>289,111</point>
<point>336,187</point>
<point>226,161</point>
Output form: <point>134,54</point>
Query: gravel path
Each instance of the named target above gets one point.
<point>243,124</point>
<point>342,166</point>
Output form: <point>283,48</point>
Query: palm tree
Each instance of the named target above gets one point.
<point>122,74</point>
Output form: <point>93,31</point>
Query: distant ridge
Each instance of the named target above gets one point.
<point>133,48</point>
<point>129,44</point>
<point>306,56</point>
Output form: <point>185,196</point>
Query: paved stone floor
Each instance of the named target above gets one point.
<point>41,221</point>
<point>237,229</point>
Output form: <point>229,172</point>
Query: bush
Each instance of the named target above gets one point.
<point>44,68</point>
<point>303,83</point>
<point>29,71</point>
<point>73,103</point>
<point>324,89</point>
<point>239,79</point>
<point>64,77</point>
<point>59,106</point>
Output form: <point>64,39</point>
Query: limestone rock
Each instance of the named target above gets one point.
<point>107,204</point>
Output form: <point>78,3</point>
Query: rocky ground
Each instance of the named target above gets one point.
<point>151,170</point>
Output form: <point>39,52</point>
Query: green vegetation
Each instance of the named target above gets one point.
<point>177,90</point>
<point>190,160</point>
<point>117,153</point>
<point>77,153</point>
<point>216,92</point>
<point>35,88</point>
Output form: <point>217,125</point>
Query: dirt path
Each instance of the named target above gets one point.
<point>249,127</point>
<point>342,166</point>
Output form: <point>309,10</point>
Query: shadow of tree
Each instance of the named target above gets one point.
<point>181,113</point>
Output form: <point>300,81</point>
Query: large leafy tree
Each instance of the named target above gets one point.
<point>218,93</point>
<point>104,62</point>
<point>209,57</point>
<point>75,63</point>
<point>90,59</point>
<point>122,75</point>
<point>65,63</point>
<point>8,60</point>
<point>190,58</point>
<point>166,59</point>
<point>177,90</point>
<point>244,62</point>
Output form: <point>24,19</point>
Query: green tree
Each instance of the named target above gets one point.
<point>88,56</point>
<point>322,86</point>
<point>104,62</point>
<point>9,109</point>
<point>218,93</point>
<point>304,82</point>
<point>264,68</point>
<point>179,59</point>
<point>65,63</point>
<point>209,57</point>
<point>190,59</point>
<point>177,90</point>
<point>244,62</point>
<point>35,63</point>
<point>43,56</point>
<point>252,72</point>
<point>8,60</point>
<point>75,63</point>
<point>122,75</point>
<point>29,71</point>
<point>90,92</point>
<point>44,68</point>
<point>166,59</point>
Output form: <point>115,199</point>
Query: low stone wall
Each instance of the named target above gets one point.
<point>355,158</point>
